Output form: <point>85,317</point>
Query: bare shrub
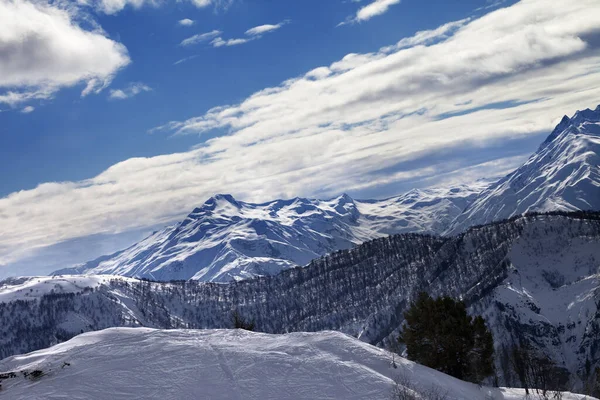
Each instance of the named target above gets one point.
<point>405,389</point>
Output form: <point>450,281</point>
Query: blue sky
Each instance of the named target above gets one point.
<point>69,138</point>
<point>110,127</point>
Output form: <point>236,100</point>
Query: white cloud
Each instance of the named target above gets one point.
<point>115,6</point>
<point>262,29</point>
<point>428,36</point>
<point>43,50</point>
<point>182,60</point>
<point>253,34</point>
<point>131,90</point>
<point>199,38</point>
<point>377,7</point>
<point>186,22</point>
<point>27,110</point>
<point>367,121</point>
<point>220,42</point>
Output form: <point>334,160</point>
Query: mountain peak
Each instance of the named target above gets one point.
<point>578,118</point>
<point>220,199</point>
<point>562,175</point>
<point>586,115</point>
<point>345,198</point>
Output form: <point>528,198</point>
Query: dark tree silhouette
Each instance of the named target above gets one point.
<point>440,334</point>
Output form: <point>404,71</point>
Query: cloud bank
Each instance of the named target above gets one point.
<point>424,111</point>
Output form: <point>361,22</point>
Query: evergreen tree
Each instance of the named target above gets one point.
<point>240,323</point>
<point>440,334</point>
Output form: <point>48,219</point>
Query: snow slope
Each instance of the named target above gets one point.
<point>563,174</point>
<point>125,363</point>
<point>33,288</point>
<point>226,239</point>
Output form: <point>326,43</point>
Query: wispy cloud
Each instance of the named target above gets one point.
<point>251,34</point>
<point>386,119</point>
<point>186,22</point>
<point>375,8</point>
<point>262,29</point>
<point>216,40</point>
<point>220,42</point>
<point>133,89</point>
<point>182,60</point>
<point>44,50</point>
<point>199,38</point>
<point>27,109</point>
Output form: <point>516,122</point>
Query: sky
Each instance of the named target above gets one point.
<point>118,117</point>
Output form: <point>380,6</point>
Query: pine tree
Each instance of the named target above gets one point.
<point>440,334</point>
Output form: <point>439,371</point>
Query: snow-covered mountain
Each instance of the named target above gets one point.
<point>536,279</point>
<point>563,174</point>
<point>225,364</point>
<point>226,239</point>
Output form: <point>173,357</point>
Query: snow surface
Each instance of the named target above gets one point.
<point>227,240</point>
<point>564,174</point>
<point>31,288</point>
<point>141,363</point>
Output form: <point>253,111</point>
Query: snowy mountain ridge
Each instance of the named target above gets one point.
<point>226,239</point>
<point>226,364</point>
<point>563,174</point>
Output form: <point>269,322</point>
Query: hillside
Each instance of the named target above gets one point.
<point>153,364</point>
<point>534,278</point>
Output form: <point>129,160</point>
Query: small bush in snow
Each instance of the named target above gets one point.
<point>404,389</point>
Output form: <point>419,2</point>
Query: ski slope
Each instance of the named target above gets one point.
<point>142,363</point>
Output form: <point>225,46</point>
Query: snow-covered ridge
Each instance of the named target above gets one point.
<point>226,239</point>
<point>224,364</point>
<point>563,174</point>
<point>32,288</point>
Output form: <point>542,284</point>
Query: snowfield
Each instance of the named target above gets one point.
<point>141,363</point>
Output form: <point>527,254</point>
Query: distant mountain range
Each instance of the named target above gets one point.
<point>226,239</point>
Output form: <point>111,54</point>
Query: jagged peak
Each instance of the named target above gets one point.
<point>346,197</point>
<point>586,115</point>
<point>221,198</point>
<point>343,199</point>
<point>226,197</point>
<point>579,117</point>
<point>211,204</point>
